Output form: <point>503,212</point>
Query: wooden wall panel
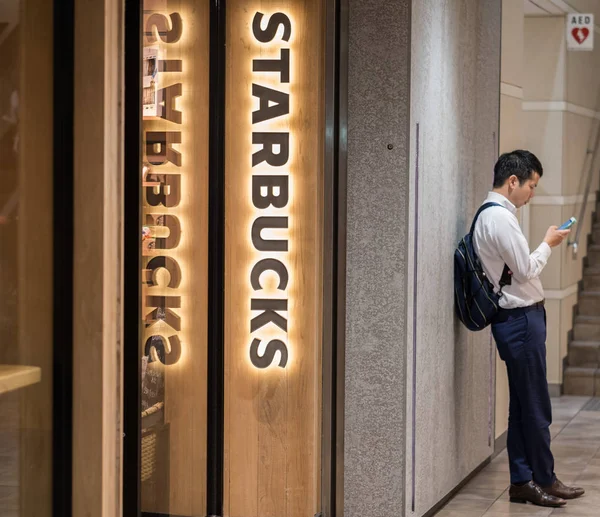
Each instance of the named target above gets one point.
<point>35,248</point>
<point>185,413</point>
<point>273,413</point>
<point>97,277</point>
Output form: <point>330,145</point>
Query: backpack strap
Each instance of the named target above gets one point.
<point>481,209</point>
<point>506,278</point>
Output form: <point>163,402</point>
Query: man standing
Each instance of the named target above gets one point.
<point>520,328</point>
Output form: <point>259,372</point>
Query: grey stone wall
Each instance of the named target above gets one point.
<point>378,109</point>
<point>449,85</point>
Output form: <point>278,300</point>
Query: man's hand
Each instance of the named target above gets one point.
<point>554,236</point>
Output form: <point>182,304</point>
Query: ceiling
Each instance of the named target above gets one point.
<point>541,8</point>
<point>562,7</point>
<point>587,6</point>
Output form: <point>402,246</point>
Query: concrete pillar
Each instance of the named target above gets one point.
<point>419,387</point>
<point>378,147</point>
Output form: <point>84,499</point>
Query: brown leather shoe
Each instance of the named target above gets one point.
<point>559,489</point>
<point>534,494</point>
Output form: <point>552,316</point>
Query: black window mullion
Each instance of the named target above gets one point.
<point>216,261</point>
<point>132,259</point>
<point>63,225</point>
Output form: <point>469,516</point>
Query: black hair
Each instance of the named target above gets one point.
<point>522,164</point>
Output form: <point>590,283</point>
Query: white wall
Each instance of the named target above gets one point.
<point>560,102</point>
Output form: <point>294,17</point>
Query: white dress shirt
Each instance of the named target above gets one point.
<point>499,240</point>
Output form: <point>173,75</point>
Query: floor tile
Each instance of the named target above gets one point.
<point>577,508</point>
<point>500,466</point>
<point>505,507</point>
<point>480,493</point>
<point>494,480</point>
<point>469,505</point>
<point>501,458</point>
<point>456,513</point>
<point>594,461</point>
<point>590,476</point>
<point>591,496</point>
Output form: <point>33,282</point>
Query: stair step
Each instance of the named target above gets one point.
<point>586,331</point>
<point>582,375</point>
<point>591,282</point>
<point>584,354</point>
<point>591,279</point>
<point>587,319</point>
<point>586,328</point>
<point>593,255</point>
<point>589,303</point>
<point>581,381</point>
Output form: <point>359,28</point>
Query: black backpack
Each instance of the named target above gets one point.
<point>476,302</point>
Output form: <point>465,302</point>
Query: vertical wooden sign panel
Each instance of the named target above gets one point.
<point>175,253</point>
<point>274,164</point>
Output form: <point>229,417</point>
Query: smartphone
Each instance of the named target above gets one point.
<point>567,224</point>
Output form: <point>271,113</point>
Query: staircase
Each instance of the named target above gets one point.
<point>582,375</point>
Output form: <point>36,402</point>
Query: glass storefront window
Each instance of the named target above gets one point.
<point>174,177</point>
<point>26,258</point>
<point>270,448</point>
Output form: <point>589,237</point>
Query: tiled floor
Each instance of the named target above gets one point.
<point>576,448</point>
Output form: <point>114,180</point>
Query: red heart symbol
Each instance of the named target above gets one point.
<point>580,35</point>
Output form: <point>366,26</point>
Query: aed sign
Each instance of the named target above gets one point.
<point>580,31</point>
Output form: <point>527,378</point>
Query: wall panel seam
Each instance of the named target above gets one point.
<point>560,294</point>
<point>511,90</point>
<point>560,106</point>
<point>562,200</point>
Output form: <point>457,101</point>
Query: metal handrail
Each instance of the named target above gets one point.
<point>589,161</point>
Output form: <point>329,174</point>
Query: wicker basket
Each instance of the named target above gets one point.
<point>152,392</point>
<point>149,440</point>
<point>148,454</point>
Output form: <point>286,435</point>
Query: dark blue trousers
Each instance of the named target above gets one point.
<point>520,336</point>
